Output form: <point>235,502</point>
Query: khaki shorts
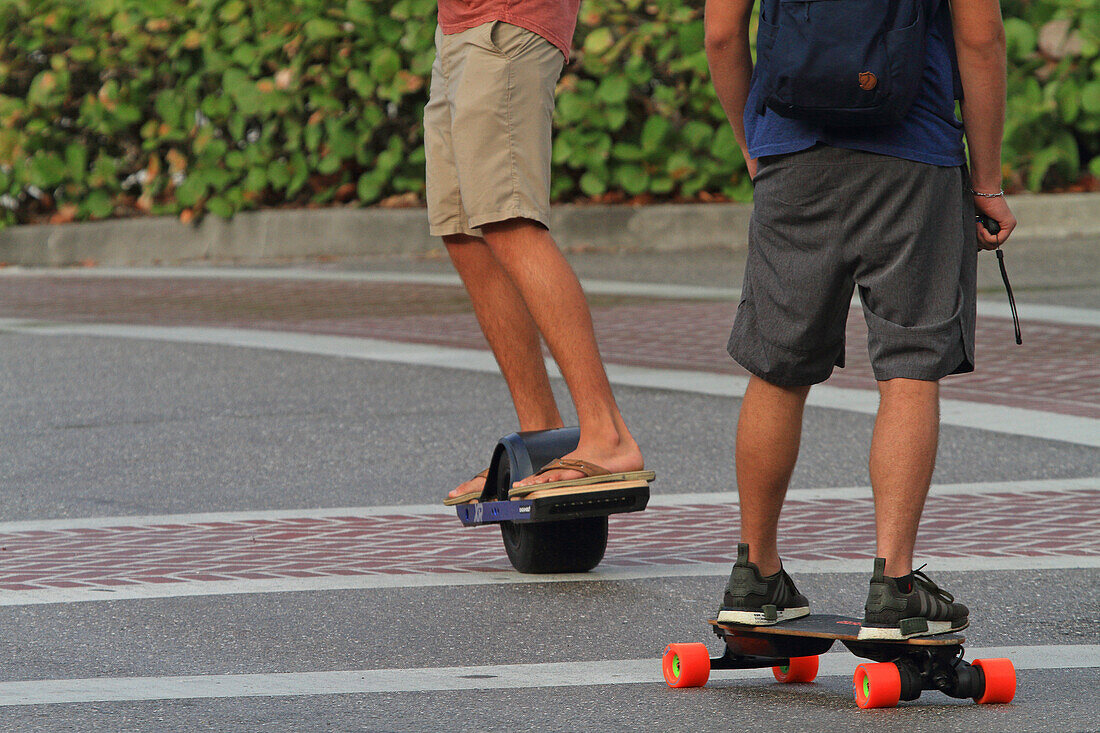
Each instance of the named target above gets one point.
<point>487,127</point>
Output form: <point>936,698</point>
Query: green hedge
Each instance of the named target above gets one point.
<point>128,107</point>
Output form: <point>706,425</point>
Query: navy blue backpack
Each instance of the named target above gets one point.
<point>849,63</point>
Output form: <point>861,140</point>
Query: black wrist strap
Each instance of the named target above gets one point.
<point>1011,298</point>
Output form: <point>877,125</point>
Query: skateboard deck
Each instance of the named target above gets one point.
<point>830,626</point>
<point>902,668</point>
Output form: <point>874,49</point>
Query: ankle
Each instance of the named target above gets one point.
<point>606,440</point>
<point>904,583</point>
<point>768,564</point>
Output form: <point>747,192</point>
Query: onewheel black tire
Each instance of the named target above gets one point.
<point>571,546</point>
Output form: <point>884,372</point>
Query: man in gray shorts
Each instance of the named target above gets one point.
<point>890,212</point>
<point>487,130</point>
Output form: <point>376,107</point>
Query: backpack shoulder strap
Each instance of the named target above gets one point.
<point>943,17</point>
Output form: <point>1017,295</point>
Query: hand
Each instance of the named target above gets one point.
<point>750,163</point>
<point>997,210</point>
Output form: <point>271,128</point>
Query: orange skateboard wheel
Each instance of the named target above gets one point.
<point>877,685</point>
<point>799,669</point>
<point>1000,680</point>
<point>686,665</point>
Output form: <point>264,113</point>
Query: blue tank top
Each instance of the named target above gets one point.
<point>930,133</point>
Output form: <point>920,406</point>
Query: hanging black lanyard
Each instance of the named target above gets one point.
<point>993,228</point>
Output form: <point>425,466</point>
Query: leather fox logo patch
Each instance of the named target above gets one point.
<point>867,81</point>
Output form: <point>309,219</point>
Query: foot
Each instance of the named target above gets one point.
<point>901,608</point>
<point>474,487</point>
<point>621,457</point>
<point>758,600</point>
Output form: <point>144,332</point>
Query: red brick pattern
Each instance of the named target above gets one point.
<point>1056,369</point>
<point>1033,524</point>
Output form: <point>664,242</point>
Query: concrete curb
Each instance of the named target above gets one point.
<point>300,234</point>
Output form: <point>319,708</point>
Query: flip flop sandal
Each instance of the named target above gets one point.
<point>594,476</point>
<point>467,496</point>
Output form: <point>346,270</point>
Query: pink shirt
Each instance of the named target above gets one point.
<point>554,20</point>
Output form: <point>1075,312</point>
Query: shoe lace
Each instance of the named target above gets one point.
<point>926,583</point>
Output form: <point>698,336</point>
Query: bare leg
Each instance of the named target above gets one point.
<point>555,300</point>
<point>511,333</point>
<point>903,455</point>
<point>769,430</point>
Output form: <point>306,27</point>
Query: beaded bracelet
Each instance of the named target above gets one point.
<point>989,195</point>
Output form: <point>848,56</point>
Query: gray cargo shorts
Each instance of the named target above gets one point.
<point>828,220</point>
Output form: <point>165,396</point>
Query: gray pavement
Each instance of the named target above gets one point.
<point>101,427</point>
<point>95,427</point>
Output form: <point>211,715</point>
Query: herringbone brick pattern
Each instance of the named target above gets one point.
<point>1056,369</point>
<point>1003,525</point>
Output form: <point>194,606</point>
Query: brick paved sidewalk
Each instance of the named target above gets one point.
<point>1056,369</point>
<point>1042,523</point>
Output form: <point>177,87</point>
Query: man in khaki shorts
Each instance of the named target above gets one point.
<point>487,129</point>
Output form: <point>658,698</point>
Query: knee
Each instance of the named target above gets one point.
<point>457,241</point>
<point>761,386</point>
<point>505,234</point>
<point>904,393</point>
<point>462,248</point>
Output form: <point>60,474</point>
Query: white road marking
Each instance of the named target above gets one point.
<point>511,577</point>
<point>486,677</point>
<point>976,415</point>
<point>657,499</point>
<point>672,291</point>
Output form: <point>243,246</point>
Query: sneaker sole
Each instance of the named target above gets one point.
<point>756,618</point>
<point>893,633</point>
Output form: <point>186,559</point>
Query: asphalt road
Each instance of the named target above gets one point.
<point>135,429</point>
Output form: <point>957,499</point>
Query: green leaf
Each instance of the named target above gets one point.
<point>627,152</point>
<point>593,184</point>
<point>48,89</point>
<point>278,173</point>
<point>661,184</point>
<point>76,160</point>
<point>362,83</point>
<point>360,11</point>
<point>384,65</point>
<point>653,132</point>
<point>98,204</point>
<point>696,134</point>
<point>320,29</point>
<point>679,166</point>
<point>632,178</point>
<point>255,180</point>
<point>1020,37</point>
<point>235,159</point>
<point>369,187</point>
<point>242,90</point>
<point>82,54</point>
<point>613,89</point>
<point>47,170</point>
<point>190,191</point>
<point>329,164</point>
<point>598,41</point>
<point>231,11</point>
<point>1040,166</point>
<point>1090,97</point>
<point>219,207</point>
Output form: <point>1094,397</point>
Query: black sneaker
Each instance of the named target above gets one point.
<point>901,608</point>
<point>758,601</point>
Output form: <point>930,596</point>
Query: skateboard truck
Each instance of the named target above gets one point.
<point>551,534</point>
